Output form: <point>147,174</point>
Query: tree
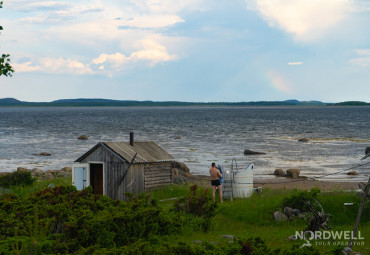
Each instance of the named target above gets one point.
<point>5,67</point>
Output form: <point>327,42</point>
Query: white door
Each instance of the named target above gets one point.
<point>81,176</point>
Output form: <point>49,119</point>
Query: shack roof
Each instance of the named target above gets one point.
<point>147,152</point>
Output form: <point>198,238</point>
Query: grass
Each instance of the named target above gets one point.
<point>252,217</point>
<point>39,184</point>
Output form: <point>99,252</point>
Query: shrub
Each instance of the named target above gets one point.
<point>198,203</point>
<point>16,178</point>
<point>296,199</point>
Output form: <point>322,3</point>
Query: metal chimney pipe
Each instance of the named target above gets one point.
<point>132,139</point>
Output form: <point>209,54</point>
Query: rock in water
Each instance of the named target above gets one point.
<point>304,140</point>
<point>280,172</point>
<point>294,173</point>
<point>352,173</point>
<point>250,152</point>
<point>83,137</point>
<point>367,150</point>
<point>43,154</point>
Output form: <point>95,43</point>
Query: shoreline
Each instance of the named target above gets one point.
<point>284,183</point>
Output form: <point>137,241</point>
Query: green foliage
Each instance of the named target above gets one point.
<point>257,209</point>
<point>5,67</point>
<point>199,203</point>
<point>295,200</point>
<point>296,250</point>
<point>71,220</point>
<point>16,178</point>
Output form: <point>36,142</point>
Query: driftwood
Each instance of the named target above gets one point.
<point>317,219</point>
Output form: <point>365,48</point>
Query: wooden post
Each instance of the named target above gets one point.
<point>367,189</point>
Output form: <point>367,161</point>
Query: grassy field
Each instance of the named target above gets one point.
<point>251,217</point>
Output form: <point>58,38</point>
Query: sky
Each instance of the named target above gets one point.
<point>187,50</point>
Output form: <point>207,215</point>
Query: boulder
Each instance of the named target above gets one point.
<point>228,236</point>
<point>22,169</point>
<point>83,137</point>
<point>288,211</point>
<point>37,171</point>
<point>180,180</point>
<point>280,172</point>
<point>43,154</point>
<point>180,166</point>
<point>296,212</point>
<point>352,173</point>
<point>66,169</point>
<point>304,140</point>
<point>293,173</point>
<point>63,174</point>
<point>367,150</point>
<point>279,216</point>
<point>250,152</point>
<point>48,176</point>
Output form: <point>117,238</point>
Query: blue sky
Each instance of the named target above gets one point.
<point>187,50</point>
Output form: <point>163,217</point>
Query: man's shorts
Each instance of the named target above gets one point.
<point>216,183</point>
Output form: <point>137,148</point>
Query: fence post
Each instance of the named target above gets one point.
<point>367,188</point>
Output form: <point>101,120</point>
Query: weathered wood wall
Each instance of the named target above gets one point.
<point>157,175</point>
<point>139,178</point>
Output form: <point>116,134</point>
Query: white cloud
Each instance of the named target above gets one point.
<point>295,63</point>
<point>150,50</point>
<point>157,21</point>
<point>363,58</point>
<point>53,65</point>
<point>306,20</point>
<point>25,67</point>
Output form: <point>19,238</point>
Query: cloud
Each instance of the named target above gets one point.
<point>363,58</point>
<point>53,65</point>
<point>151,21</point>
<point>295,63</point>
<point>306,20</point>
<point>150,51</point>
<point>32,6</point>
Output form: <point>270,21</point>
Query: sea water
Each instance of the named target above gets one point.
<point>196,136</point>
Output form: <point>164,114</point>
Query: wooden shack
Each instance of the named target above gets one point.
<point>114,168</point>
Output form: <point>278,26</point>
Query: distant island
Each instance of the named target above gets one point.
<point>80,102</point>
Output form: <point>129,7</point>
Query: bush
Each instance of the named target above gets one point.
<point>16,178</point>
<point>199,204</point>
<point>296,199</point>
<point>71,220</point>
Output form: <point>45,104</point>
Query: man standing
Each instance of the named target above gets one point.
<point>215,181</point>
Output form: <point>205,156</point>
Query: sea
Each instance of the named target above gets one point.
<point>337,137</point>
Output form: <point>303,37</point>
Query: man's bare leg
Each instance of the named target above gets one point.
<point>220,191</point>
<point>214,193</point>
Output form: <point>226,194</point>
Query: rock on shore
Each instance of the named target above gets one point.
<point>250,152</point>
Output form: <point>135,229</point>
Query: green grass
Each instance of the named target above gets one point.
<point>252,217</point>
<point>39,184</point>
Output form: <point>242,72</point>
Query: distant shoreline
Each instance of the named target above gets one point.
<point>12,102</point>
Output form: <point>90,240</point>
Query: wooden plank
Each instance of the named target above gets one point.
<point>157,181</point>
<point>157,177</point>
<point>158,174</point>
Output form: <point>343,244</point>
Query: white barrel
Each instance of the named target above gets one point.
<point>243,182</point>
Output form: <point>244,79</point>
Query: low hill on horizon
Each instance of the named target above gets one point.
<point>111,102</point>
